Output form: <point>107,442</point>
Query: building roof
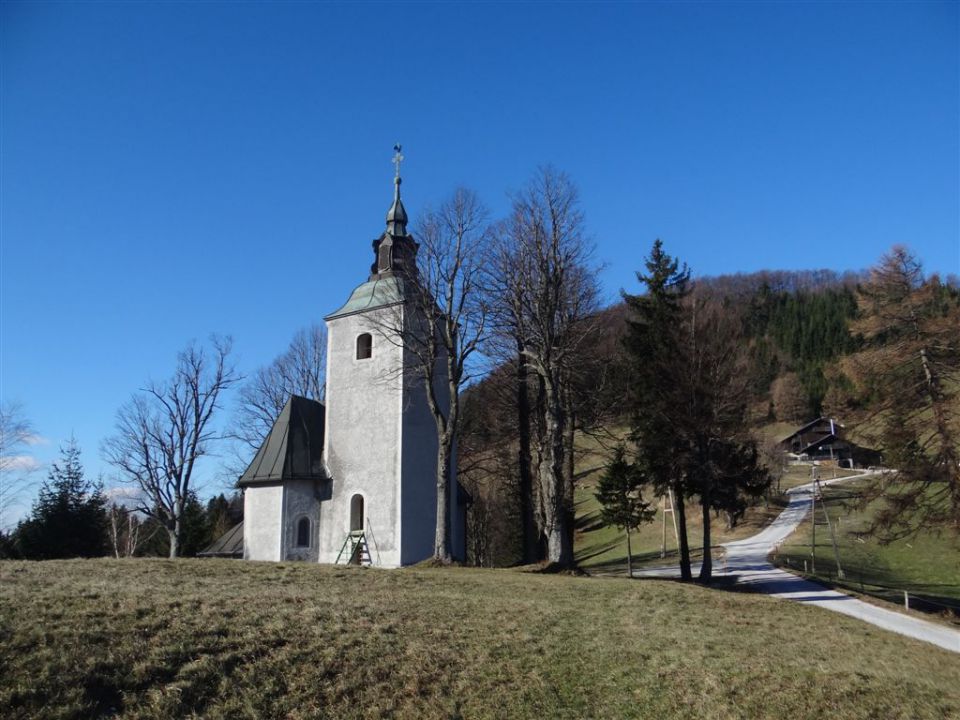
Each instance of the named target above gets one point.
<point>230,544</point>
<point>815,434</point>
<point>294,448</point>
<point>378,292</point>
<point>834,427</point>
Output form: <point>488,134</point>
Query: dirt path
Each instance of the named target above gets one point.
<point>747,560</point>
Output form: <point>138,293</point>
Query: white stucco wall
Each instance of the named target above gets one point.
<point>263,511</point>
<point>419,462</point>
<point>363,436</point>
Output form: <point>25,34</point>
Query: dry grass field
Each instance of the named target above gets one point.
<point>207,638</point>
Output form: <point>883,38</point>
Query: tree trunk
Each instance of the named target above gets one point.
<point>706,569</point>
<point>681,514</point>
<point>528,522</point>
<point>559,552</point>
<point>629,557</point>
<point>540,504</point>
<point>441,544</point>
<point>568,475</point>
<point>174,540</point>
<point>950,459</point>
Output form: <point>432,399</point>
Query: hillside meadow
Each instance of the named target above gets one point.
<point>219,638</point>
<point>926,563</point>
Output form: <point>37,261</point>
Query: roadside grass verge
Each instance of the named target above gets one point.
<point>219,638</point>
<point>927,565</point>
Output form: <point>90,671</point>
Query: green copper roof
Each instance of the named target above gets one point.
<point>379,292</point>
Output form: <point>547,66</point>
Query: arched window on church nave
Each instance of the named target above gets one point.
<point>303,532</point>
<point>356,513</point>
<point>364,346</point>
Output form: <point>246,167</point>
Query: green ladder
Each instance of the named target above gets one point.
<point>355,550</point>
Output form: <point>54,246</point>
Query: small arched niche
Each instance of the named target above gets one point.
<point>364,346</point>
<point>356,513</point>
<point>303,532</point>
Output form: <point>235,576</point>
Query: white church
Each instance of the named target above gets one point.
<point>354,481</point>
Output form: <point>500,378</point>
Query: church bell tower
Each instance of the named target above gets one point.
<point>381,440</point>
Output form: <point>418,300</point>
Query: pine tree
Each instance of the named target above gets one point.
<point>69,518</point>
<point>622,504</point>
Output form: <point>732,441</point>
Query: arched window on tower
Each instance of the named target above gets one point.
<point>364,346</point>
<point>356,513</point>
<point>303,532</point>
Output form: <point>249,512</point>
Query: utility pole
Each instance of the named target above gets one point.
<point>833,535</point>
<point>813,520</point>
<point>673,515</point>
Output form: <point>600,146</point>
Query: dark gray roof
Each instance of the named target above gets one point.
<point>230,544</point>
<point>294,448</point>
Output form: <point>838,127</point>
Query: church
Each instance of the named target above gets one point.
<point>354,481</point>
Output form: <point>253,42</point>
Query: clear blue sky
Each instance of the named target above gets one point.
<point>174,169</point>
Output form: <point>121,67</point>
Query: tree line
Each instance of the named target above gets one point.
<point>73,517</point>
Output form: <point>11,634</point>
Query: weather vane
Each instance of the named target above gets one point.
<point>397,157</point>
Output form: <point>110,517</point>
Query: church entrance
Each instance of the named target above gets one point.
<point>356,513</point>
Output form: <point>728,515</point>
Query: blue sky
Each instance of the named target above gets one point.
<point>174,169</point>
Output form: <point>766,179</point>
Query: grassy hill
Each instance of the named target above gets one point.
<point>191,638</point>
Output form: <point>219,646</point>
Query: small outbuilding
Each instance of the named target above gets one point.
<point>228,545</point>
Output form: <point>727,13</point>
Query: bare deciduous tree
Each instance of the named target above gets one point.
<point>441,325</point>
<point>789,400</point>
<point>164,430</point>
<point>16,467</point>
<point>505,288</point>
<point>125,531</point>
<point>300,370</point>
<point>550,292</point>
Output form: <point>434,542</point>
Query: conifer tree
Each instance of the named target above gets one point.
<point>654,343</point>
<point>69,518</point>
<point>621,501</point>
<point>911,366</point>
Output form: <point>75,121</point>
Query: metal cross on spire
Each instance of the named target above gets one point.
<point>397,157</point>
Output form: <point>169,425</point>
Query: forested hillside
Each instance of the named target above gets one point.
<point>801,335</point>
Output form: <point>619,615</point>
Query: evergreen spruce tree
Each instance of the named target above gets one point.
<point>619,495</point>
<point>69,518</point>
<point>654,343</point>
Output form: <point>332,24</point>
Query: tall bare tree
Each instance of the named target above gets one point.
<point>507,343</point>
<point>16,466</point>
<point>441,325</point>
<point>166,428</point>
<point>299,370</point>
<point>549,290</point>
<point>911,369</point>
<point>710,417</point>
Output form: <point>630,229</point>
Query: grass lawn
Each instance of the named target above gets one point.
<point>218,638</point>
<point>927,564</point>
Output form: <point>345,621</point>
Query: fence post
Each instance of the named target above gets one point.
<point>906,600</point>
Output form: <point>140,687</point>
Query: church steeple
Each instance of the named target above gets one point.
<point>397,214</point>
<point>395,251</point>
